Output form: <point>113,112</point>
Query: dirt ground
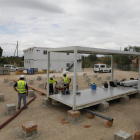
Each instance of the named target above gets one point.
<point>126,118</point>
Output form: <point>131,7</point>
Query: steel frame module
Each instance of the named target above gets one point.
<point>88,50</point>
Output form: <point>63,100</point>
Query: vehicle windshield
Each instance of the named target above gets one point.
<point>96,66</point>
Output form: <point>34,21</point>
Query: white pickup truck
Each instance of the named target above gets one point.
<point>101,68</point>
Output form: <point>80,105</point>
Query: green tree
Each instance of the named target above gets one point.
<point>1,51</point>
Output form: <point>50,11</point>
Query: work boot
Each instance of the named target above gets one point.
<point>26,107</point>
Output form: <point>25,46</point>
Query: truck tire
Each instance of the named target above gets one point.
<point>101,71</point>
<point>110,71</point>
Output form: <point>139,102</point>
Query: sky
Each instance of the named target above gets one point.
<point>108,24</point>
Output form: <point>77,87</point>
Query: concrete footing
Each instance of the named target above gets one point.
<point>39,78</point>
<point>121,135</point>
<point>103,107</point>
<point>87,79</point>
<point>31,93</point>
<point>108,77</point>
<point>1,97</point>
<point>53,76</point>
<point>84,74</point>
<point>124,100</point>
<point>89,84</point>
<point>103,82</point>
<point>74,116</point>
<point>6,80</point>
<point>138,95</point>
<point>29,129</point>
<point>31,82</point>
<point>11,83</point>
<point>95,75</point>
<point>10,109</point>
<point>41,85</point>
<point>98,78</point>
<point>76,86</point>
<point>46,102</point>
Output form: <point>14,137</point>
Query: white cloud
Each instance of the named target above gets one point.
<point>58,23</point>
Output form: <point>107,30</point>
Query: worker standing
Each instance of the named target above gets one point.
<point>66,80</point>
<point>51,81</point>
<point>22,89</point>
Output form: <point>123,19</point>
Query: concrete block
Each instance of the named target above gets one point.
<point>84,74</point>
<point>21,68</point>
<point>138,95</point>
<point>103,107</point>
<point>1,97</point>
<point>44,69</point>
<point>46,102</point>
<point>41,85</point>
<point>102,82</point>
<point>87,79</point>
<point>74,116</point>
<point>76,87</point>
<point>124,100</point>
<point>31,93</point>
<point>98,78</point>
<point>6,80</point>
<point>29,128</point>
<point>11,109</point>
<point>39,77</point>
<point>121,135</point>
<point>89,84</point>
<point>11,83</point>
<point>35,69</point>
<point>108,77</point>
<point>31,82</point>
<point>53,76</point>
<point>95,75</point>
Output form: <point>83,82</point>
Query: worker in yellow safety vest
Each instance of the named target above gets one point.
<point>66,80</point>
<point>22,89</point>
<point>51,81</point>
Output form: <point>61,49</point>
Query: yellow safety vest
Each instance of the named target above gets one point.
<point>21,86</point>
<point>51,81</point>
<point>66,79</point>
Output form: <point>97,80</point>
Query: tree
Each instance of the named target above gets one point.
<point>1,51</point>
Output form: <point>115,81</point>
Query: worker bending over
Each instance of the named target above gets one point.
<point>22,89</point>
<point>66,80</point>
<point>51,81</point>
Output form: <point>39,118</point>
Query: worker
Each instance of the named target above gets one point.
<point>22,89</point>
<point>51,81</point>
<point>66,80</point>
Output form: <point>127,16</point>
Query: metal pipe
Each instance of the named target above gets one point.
<point>112,67</point>
<point>48,63</point>
<point>99,115</point>
<point>74,79</point>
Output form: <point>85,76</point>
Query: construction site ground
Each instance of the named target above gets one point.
<point>126,118</point>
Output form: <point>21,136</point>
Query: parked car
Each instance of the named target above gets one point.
<point>101,68</point>
<point>12,67</point>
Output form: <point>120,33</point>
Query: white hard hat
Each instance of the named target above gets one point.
<point>51,76</point>
<point>64,73</point>
<point>22,76</point>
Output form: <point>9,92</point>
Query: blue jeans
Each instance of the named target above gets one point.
<point>20,96</point>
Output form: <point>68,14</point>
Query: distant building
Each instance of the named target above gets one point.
<point>36,57</point>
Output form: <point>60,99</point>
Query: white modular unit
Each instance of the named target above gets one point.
<point>36,57</point>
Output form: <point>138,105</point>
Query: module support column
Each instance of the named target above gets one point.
<point>74,79</point>
<point>112,67</point>
<point>48,68</point>
<point>139,76</point>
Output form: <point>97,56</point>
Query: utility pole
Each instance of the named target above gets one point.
<point>17,54</point>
